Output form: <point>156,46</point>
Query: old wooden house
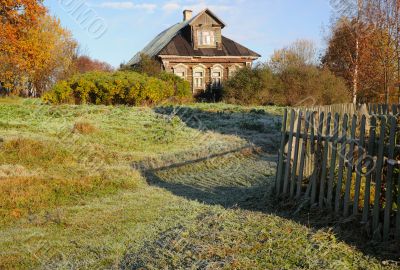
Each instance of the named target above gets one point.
<point>196,51</point>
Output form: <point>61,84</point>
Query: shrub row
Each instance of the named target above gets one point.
<point>121,87</point>
<point>305,85</point>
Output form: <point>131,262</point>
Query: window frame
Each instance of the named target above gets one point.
<point>180,68</point>
<point>201,38</point>
<point>199,69</point>
<point>217,68</point>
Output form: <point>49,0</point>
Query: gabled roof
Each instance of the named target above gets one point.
<point>180,46</point>
<point>162,40</point>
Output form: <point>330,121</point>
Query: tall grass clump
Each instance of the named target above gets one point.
<point>121,87</point>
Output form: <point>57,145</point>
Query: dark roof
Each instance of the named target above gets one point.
<point>180,46</point>
<point>171,40</point>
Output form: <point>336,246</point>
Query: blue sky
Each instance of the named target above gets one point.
<point>113,31</point>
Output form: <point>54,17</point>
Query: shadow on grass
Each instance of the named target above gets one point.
<point>257,127</point>
<point>230,191</point>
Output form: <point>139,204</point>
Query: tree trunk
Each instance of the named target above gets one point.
<point>355,75</point>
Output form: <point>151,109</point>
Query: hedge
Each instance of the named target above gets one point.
<point>121,87</point>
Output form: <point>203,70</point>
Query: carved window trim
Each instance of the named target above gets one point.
<point>216,80</point>
<point>179,70</point>
<point>199,81</point>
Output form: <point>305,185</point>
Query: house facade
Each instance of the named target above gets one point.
<point>196,51</point>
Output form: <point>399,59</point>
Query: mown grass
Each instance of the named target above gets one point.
<point>96,187</point>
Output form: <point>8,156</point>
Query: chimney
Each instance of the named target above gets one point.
<point>187,15</point>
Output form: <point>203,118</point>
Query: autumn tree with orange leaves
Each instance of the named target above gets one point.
<point>364,48</point>
<point>35,51</point>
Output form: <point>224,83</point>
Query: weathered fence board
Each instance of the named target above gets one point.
<point>380,109</point>
<point>346,169</point>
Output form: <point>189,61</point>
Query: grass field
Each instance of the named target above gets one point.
<point>96,187</point>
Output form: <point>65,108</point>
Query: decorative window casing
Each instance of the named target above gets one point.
<point>206,38</point>
<point>217,74</point>
<point>199,73</point>
<point>180,70</point>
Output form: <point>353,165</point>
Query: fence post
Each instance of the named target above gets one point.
<point>278,179</point>
<point>371,167</point>
<point>303,155</point>
<point>378,176</point>
<point>342,153</point>
<point>361,154</point>
<point>333,160</point>
<point>317,159</point>
<point>289,153</point>
<point>325,161</point>
<point>350,162</point>
<point>296,153</point>
<point>389,180</point>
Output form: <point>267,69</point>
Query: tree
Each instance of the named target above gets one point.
<point>363,49</point>
<point>147,65</point>
<point>52,52</point>
<point>85,64</point>
<point>17,17</point>
<point>354,11</point>
<point>384,15</point>
<point>300,53</point>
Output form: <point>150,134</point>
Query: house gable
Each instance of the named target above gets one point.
<point>206,31</point>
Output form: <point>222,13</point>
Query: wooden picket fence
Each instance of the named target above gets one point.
<point>354,169</point>
<point>380,109</point>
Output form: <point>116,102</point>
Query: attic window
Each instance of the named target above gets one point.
<point>206,38</point>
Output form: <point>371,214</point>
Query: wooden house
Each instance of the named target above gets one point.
<point>196,51</point>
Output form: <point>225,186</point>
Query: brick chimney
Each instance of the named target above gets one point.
<point>187,15</point>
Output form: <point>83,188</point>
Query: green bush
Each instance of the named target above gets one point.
<point>249,86</point>
<point>121,87</point>
<point>303,85</point>
<point>310,85</point>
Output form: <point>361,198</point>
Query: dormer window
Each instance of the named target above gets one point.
<point>206,38</point>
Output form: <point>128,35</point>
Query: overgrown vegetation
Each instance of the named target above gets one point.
<point>305,85</point>
<point>87,199</point>
<point>291,77</point>
<point>121,87</point>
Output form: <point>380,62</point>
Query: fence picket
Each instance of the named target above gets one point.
<point>350,162</point>
<point>368,177</point>
<point>278,179</point>
<point>361,155</point>
<point>296,153</point>
<point>312,147</point>
<point>342,153</point>
<point>303,155</point>
<point>310,151</point>
<point>333,160</point>
<point>325,161</point>
<point>389,180</point>
<point>289,153</point>
<point>394,109</point>
<point>317,161</point>
<point>378,176</point>
<point>397,232</point>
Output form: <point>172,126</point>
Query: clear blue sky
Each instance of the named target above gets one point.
<point>113,31</point>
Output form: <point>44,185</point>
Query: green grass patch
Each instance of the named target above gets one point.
<point>116,187</point>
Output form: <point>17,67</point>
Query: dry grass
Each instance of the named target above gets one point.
<point>83,128</point>
<point>74,200</point>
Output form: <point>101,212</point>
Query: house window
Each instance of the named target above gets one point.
<point>180,70</point>
<point>216,79</point>
<point>206,38</point>
<point>199,77</point>
<point>216,76</point>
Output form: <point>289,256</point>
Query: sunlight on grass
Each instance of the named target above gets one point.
<point>100,187</point>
